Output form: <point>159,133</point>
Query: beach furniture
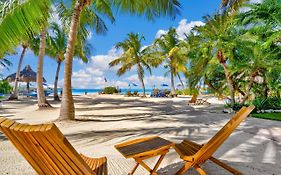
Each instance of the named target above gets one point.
<point>145,148</point>
<point>194,155</point>
<point>48,151</point>
<point>197,101</point>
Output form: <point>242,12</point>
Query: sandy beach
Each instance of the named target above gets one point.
<point>105,120</point>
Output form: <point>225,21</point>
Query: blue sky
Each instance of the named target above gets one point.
<point>92,75</point>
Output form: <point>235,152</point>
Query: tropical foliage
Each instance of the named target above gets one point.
<point>133,55</point>
<point>5,87</point>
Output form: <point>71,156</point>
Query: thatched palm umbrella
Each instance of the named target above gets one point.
<point>26,75</point>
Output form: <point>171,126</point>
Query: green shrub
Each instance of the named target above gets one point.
<point>267,103</point>
<point>5,87</point>
<point>184,92</point>
<point>110,90</point>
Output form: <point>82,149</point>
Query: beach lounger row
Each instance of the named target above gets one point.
<point>49,152</point>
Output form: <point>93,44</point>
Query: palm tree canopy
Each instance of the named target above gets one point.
<point>133,55</point>
<point>20,20</point>
<point>152,8</point>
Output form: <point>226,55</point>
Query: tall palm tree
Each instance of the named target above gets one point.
<point>216,35</point>
<point>167,48</point>
<point>150,8</point>
<point>14,94</point>
<point>56,47</point>
<point>41,99</point>
<point>133,55</point>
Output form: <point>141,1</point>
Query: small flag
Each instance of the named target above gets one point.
<point>105,80</point>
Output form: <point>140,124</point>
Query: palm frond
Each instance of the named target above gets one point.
<point>21,20</point>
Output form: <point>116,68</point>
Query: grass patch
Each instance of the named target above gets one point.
<point>269,116</point>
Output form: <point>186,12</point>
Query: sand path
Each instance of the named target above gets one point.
<point>254,148</point>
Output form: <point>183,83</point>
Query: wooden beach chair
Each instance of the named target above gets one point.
<point>48,151</point>
<point>195,155</point>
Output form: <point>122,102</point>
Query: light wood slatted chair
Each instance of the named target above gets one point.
<point>195,155</point>
<point>48,151</point>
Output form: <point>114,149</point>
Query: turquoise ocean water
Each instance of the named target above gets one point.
<point>93,91</point>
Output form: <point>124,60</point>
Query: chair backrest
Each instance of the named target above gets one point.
<point>45,148</point>
<point>215,142</point>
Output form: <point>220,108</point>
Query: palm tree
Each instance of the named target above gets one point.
<point>133,55</point>
<point>150,8</point>
<point>14,94</point>
<point>41,99</point>
<point>56,47</point>
<point>216,35</point>
<point>167,48</point>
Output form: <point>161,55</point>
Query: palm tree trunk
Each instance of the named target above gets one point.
<point>266,89</point>
<point>250,85</point>
<point>140,75</point>
<point>42,102</point>
<point>173,90</point>
<point>230,85</point>
<point>143,87</point>
<point>67,104</point>
<point>56,96</point>
<point>14,95</point>
<point>180,80</point>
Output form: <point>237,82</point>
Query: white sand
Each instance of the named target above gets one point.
<point>254,148</point>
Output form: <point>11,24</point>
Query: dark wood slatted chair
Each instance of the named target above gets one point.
<point>195,155</point>
<point>48,151</point>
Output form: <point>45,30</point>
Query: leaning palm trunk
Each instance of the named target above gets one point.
<point>56,96</point>
<point>14,95</point>
<point>250,85</point>
<point>141,75</point>
<point>143,87</point>
<point>42,102</point>
<point>230,85</point>
<point>180,80</point>
<point>173,90</point>
<point>67,104</point>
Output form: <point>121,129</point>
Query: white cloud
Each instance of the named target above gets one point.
<point>92,74</point>
<point>183,28</point>
<point>160,33</point>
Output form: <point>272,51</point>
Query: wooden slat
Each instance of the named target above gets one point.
<point>135,141</point>
<point>209,148</point>
<point>144,147</point>
<point>34,149</point>
<point>98,165</point>
<point>50,158</point>
<point>48,151</point>
<point>69,150</point>
<point>196,154</point>
<point>21,148</point>
<point>61,153</point>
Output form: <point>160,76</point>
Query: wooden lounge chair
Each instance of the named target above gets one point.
<point>48,151</point>
<point>195,155</point>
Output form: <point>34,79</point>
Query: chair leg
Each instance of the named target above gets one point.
<point>186,166</point>
<point>225,166</point>
<point>200,170</point>
<point>134,169</point>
